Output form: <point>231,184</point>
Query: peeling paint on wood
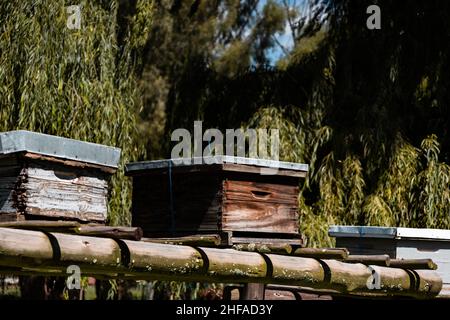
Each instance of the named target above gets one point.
<point>31,188</point>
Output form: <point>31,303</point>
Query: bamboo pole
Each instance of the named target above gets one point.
<point>35,248</point>
<point>426,264</point>
<point>234,266</point>
<point>143,260</point>
<point>163,258</point>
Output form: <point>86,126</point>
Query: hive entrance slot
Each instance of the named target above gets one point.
<point>260,194</point>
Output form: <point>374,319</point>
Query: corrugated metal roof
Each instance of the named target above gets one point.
<point>59,147</point>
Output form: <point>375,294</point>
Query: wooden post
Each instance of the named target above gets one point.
<point>253,291</point>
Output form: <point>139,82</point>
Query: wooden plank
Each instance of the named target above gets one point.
<point>279,248</point>
<point>8,183</point>
<point>47,213</point>
<point>257,191</point>
<point>260,170</point>
<point>41,225</point>
<point>70,163</point>
<point>8,217</point>
<point>213,240</point>
<point>322,253</point>
<point>427,264</point>
<point>379,260</point>
<point>265,239</point>
<point>259,217</point>
<point>259,207</point>
<point>63,193</point>
<point>131,233</point>
<point>73,227</point>
<point>183,170</point>
<point>253,291</point>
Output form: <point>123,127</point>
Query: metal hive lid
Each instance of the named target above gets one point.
<point>59,147</point>
<point>388,232</point>
<point>181,162</point>
<point>362,232</point>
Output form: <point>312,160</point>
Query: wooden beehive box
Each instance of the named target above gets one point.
<point>54,178</point>
<point>231,196</point>
<point>398,243</point>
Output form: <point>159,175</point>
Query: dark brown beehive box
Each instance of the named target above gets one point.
<point>229,196</point>
<point>53,178</point>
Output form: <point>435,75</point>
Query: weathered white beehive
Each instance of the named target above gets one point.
<point>49,177</point>
<point>398,243</point>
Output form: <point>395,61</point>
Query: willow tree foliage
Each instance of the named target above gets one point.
<point>374,118</point>
<point>367,109</point>
<point>76,83</point>
<point>197,47</point>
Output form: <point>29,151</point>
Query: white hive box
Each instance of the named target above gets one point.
<point>398,243</point>
<point>54,178</point>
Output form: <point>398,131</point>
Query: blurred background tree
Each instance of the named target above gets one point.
<point>379,147</point>
<point>367,109</point>
<point>74,83</point>
<point>197,48</point>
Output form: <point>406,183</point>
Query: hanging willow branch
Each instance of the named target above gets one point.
<point>74,83</point>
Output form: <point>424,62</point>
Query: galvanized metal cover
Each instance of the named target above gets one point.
<point>388,232</point>
<point>263,163</point>
<point>54,146</point>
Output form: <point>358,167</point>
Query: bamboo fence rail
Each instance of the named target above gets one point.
<point>49,253</point>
